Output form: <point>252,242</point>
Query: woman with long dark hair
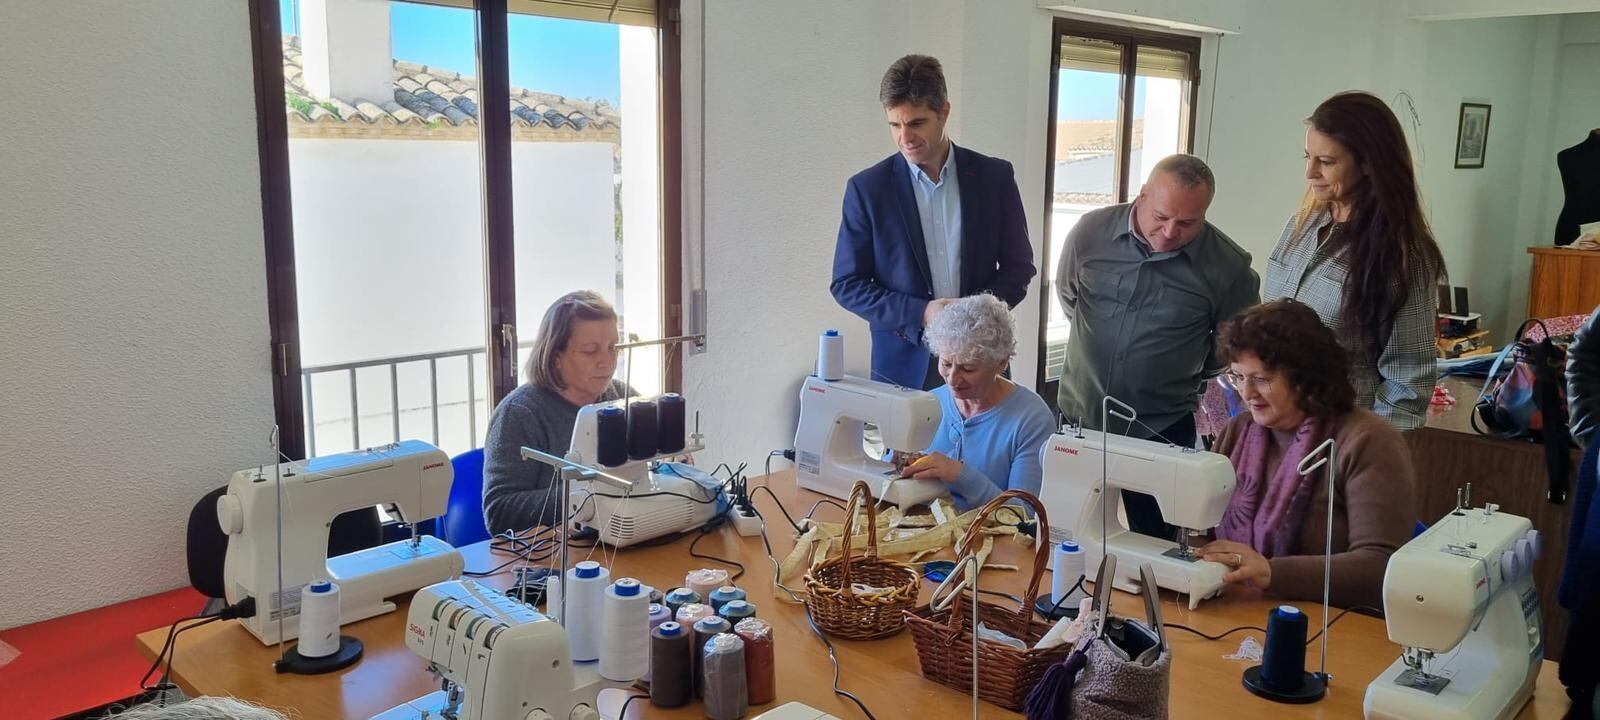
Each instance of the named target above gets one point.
<point>1360,253</point>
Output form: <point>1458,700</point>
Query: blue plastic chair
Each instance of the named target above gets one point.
<point>1420,528</point>
<point>463,515</point>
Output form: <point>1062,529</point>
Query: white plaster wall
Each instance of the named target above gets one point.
<point>133,340</point>
<point>641,193</point>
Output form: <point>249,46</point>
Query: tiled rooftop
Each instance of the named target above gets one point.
<point>435,103</point>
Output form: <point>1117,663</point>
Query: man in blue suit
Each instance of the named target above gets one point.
<point>929,224</point>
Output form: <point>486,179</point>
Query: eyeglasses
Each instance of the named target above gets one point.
<point>1238,382</point>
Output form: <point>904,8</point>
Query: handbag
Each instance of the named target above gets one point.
<point>1120,670</point>
<point>1530,403</point>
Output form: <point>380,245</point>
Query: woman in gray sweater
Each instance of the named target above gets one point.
<point>573,359</point>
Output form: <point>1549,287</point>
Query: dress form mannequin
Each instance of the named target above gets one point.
<point>1580,177</point>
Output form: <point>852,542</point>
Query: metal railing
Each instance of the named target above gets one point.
<point>393,364</point>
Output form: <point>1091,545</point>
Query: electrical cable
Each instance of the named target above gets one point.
<point>622,714</point>
<point>1362,608</point>
<point>169,647</point>
<point>780,507</point>
<point>707,530</point>
<point>841,692</point>
<point>825,501</point>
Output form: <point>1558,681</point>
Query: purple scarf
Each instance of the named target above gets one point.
<point>1266,513</point>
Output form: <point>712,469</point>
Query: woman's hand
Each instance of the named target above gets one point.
<point>935,466</point>
<point>1245,565</point>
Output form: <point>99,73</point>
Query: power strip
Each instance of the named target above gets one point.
<point>746,522</point>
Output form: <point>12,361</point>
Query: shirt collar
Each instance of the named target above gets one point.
<point>944,173</point>
<point>1133,231</point>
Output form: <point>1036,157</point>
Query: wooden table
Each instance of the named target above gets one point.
<point>224,658</point>
<point>1448,454</point>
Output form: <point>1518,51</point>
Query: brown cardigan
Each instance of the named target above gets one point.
<point>1374,511</point>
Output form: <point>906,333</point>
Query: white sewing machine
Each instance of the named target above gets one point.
<point>494,655</point>
<point>648,511</point>
<point>413,475</point>
<point>1460,599</point>
<point>1192,487</point>
<point>660,502</point>
<point>584,448</point>
<point>829,457</point>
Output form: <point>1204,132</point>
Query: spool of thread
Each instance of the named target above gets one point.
<point>692,613</point>
<point>706,580</point>
<point>658,614</point>
<point>760,666</point>
<point>671,683</point>
<point>1283,659</point>
<point>735,610</point>
<point>669,423</point>
<point>704,630</point>
<point>611,436</point>
<point>830,356</point>
<point>722,595</point>
<point>585,589</point>
<point>625,631</point>
<point>1066,571</point>
<point>552,597</point>
<point>319,619</point>
<point>681,597</point>
<point>642,429</point>
<point>722,668</point>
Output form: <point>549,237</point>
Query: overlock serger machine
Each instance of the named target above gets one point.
<point>413,475</point>
<point>829,457</point>
<point>1192,487</point>
<point>1460,600</point>
<point>498,659</point>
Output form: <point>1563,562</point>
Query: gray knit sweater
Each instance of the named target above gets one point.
<point>520,494</point>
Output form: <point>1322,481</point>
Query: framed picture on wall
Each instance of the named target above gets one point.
<point>1472,135</point>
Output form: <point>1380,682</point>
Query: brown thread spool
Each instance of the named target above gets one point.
<point>705,629</point>
<point>761,676</point>
<point>671,682</point>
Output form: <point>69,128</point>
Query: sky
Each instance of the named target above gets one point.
<point>567,57</point>
<point>1085,95</point>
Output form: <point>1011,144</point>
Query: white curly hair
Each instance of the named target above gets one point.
<point>200,708</point>
<point>973,328</point>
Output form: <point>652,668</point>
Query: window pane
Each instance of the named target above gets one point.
<point>1160,110</point>
<point>586,177</point>
<point>386,182</point>
<point>1088,141</point>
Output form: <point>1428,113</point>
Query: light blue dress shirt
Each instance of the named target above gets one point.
<point>939,208</point>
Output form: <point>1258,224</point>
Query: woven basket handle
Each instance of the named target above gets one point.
<point>860,495</point>
<point>1041,556</point>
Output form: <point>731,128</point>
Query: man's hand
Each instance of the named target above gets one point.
<point>932,309</point>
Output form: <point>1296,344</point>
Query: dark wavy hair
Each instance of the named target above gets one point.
<point>1292,341</point>
<point>1387,236</point>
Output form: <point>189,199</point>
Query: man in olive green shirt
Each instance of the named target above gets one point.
<point>1145,285</point>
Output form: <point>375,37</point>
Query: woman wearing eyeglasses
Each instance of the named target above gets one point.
<point>1293,375</point>
<point>993,428</point>
<point>571,365</point>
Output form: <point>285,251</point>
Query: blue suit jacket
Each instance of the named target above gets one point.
<point>880,265</point>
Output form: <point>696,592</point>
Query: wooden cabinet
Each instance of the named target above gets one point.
<point>1564,282</point>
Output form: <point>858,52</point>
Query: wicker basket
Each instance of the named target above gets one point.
<point>944,639</point>
<point>841,611</point>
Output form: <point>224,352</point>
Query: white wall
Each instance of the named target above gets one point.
<point>134,340</point>
<point>791,92</point>
<point>641,204</point>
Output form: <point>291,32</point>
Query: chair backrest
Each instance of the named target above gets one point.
<point>463,515</point>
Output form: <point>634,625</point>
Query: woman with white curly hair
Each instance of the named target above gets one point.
<point>200,708</point>
<point>993,428</point>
